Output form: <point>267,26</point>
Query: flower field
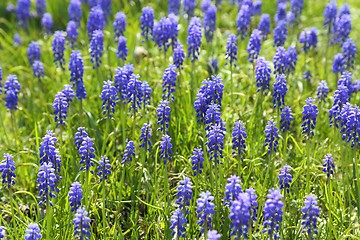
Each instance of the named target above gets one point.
<point>169,119</point>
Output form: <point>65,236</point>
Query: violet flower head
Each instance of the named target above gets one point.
<point>205,4</point>
<point>271,136</point>
<point>47,23</point>
<point>169,83</point>
<point>239,139</point>
<point>232,189</point>
<point>273,212</point>
<point>122,50</point>
<point>297,7</point>
<point>165,148</point>
<point>291,59</point>
<point>76,67</point>
<point>344,9</point>
<point>205,210</point>
<point>346,80</point>
<point>349,52</point>
<point>33,52</point>
<point>174,6</point>
<point>264,26</point>
<point>81,224</point>
<point>74,10</point>
<point>163,114</point>
<point>121,80</point>
<point>12,89</point>
<point>7,170</point>
<point>178,221</point>
<point>350,120</point>
<point>2,232</point>
<point>286,118</point>
<point>58,47</point>
<point>38,69</point>
<point>75,196</point>
<point>281,12</point>
<point>262,74</point>
<point>330,16</point>
<point>145,137</point>
<point>184,194</point>
<point>215,142</point>
<point>210,23</point>
<point>96,47</point>
<point>254,46</point>
<point>165,32</point>
<point>280,61</point>
<point>310,212</point>
<point>129,152</point>
<point>308,39</point>
<point>17,40</point>
<point>146,92</point>
<point>109,98</point>
<point>253,203</point>
<point>104,168</point>
<point>72,33</point>
<point>280,34</point>
<point>32,232</point>
<point>197,160</point>
<point>194,38</point>
<point>96,20</point>
<point>213,235</point>
<point>134,93</point>
<point>147,22</point>
<point>257,7</point>
<point>307,76</point>
<point>231,49</point>
<point>328,165</point>
<point>189,7</point>
<point>285,178</point>
<point>87,155</point>
<point>342,28</point>
<point>60,107</point>
<point>79,137</point>
<point>119,24</point>
<point>341,97</point>
<point>243,21</point>
<point>23,12</point>
<point>280,90</point>
<point>322,91</point>
<point>49,153</point>
<point>310,113</point>
<point>46,183</point>
<point>212,116</point>
<point>40,7</point>
<point>240,215</point>
<point>179,55</point>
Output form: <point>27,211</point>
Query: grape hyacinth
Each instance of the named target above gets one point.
<point>197,161</point>
<point>76,68</point>
<point>40,7</point>
<point>79,137</point>
<point>232,189</point>
<point>291,59</point>
<point>243,21</point>
<point>146,93</point>
<point>322,91</point>
<point>87,155</point>
<point>328,165</point>
<point>273,212</point>
<point>262,74</point>
<point>46,180</point>
<point>134,93</point>
<point>346,80</point>
<point>194,38</point>
<point>165,148</point>
<point>47,23</point>
<point>212,116</point>
<point>253,203</point>
<point>281,12</point>
<point>184,194</point>
<point>310,212</point>
<point>60,107</point>
<point>308,39</point>
<point>189,6</point>
<point>350,120</point>
<point>280,90</point>
<point>271,136</point>
<point>119,24</point>
<point>145,137</point>
<point>169,83</point>
<point>121,80</point>
<point>96,47</point>
<point>342,28</point>
<point>49,153</point>
<point>177,224</point>
<point>238,139</point>
<point>165,32</point>
<point>179,55</point>
<point>257,7</point>
<point>286,118</point>
<point>205,210</point>
<point>32,232</point>
<point>2,232</point>
<point>147,22</point>
<point>174,6</point>
<point>285,178</point>
<point>310,113</point>
<point>75,196</point>
<point>215,142</point>
<point>297,7</point>
<point>7,170</point>
<point>330,16</point>
<point>72,33</point>
<point>122,50</point>
<point>210,23</point>
<point>129,152</point>
<point>280,34</point>
<point>96,20</point>
<point>205,4</point>
<point>38,69</point>
<point>349,52</point>
<point>280,61</point>
<point>254,46</point>
<point>23,12</point>
<point>104,168</point>
<point>213,235</point>
<point>58,47</point>
<point>12,89</point>
<point>231,49</point>
<point>106,7</point>
<point>109,98</point>
<point>341,97</point>
<point>163,114</point>
<point>240,215</point>
<point>17,40</point>
<point>74,10</point>
<point>307,76</point>
<point>33,52</point>
<point>264,26</point>
<point>81,224</point>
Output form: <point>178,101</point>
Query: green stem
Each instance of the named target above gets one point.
<point>48,219</point>
<point>308,149</point>
<point>103,208</point>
